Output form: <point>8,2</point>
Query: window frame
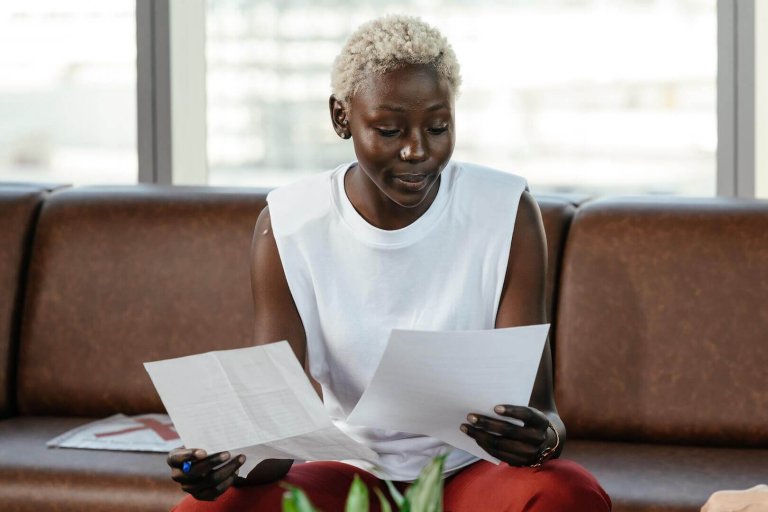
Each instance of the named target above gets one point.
<point>162,133</point>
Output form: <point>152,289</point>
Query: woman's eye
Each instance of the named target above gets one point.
<point>387,132</point>
<point>438,130</point>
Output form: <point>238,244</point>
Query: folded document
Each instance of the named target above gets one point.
<point>255,401</point>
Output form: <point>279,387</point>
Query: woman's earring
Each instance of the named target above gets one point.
<point>345,131</point>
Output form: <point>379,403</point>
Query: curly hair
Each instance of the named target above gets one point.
<point>387,43</point>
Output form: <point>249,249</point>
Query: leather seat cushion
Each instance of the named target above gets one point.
<point>652,478</point>
<point>34,477</point>
<point>638,477</point>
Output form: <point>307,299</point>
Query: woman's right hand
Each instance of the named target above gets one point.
<point>209,475</point>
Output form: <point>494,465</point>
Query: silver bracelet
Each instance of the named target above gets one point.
<point>546,453</point>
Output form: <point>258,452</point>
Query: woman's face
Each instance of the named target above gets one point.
<point>402,130</point>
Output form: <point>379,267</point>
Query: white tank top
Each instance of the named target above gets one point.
<point>353,283</point>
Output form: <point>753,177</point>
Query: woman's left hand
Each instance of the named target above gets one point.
<point>516,445</point>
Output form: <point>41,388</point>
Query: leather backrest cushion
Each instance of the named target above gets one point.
<point>127,275</point>
<point>19,206</point>
<point>662,321</point>
<point>124,275</point>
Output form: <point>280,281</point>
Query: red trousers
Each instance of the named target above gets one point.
<point>557,486</point>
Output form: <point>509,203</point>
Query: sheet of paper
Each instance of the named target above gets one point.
<point>324,444</point>
<point>254,400</point>
<point>143,433</point>
<point>427,381</point>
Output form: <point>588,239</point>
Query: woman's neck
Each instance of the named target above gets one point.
<point>376,208</point>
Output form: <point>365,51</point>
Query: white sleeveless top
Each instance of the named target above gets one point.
<point>353,283</point>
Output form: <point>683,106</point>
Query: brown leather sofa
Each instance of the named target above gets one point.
<point>658,311</point>
<point>662,347</point>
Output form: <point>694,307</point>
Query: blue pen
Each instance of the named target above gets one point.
<point>186,467</point>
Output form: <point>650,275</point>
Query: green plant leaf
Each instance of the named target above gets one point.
<point>426,493</point>
<point>357,499</point>
<point>399,500</point>
<point>383,502</point>
<point>295,500</point>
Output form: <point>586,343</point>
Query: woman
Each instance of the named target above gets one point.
<point>403,237</point>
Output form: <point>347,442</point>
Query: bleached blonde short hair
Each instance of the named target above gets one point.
<point>388,43</point>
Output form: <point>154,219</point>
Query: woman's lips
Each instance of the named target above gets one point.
<point>412,182</point>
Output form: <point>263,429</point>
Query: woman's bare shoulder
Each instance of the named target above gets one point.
<point>274,308</point>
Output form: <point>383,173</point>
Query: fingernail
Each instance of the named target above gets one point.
<point>200,454</point>
<point>241,459</point>
<point>464,428</point>
<point>225,456</point>
<point>472,418</point>
<point>500,409</point>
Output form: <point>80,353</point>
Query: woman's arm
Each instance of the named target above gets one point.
<point>276,319</point>
<point>523,303</point>
<point>275,312</point>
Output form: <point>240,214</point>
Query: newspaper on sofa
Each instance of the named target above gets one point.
<point>142,433</point>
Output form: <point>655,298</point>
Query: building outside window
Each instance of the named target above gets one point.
<point>68,91</point>
<point>593,96</point>
<point>587,96</point>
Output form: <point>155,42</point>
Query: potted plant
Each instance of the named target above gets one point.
<point>424,495</point>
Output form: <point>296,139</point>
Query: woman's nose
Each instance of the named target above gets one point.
<point>413,150</point>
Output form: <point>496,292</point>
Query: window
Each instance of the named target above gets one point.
<point>577,96</point>
<point>68,91</point>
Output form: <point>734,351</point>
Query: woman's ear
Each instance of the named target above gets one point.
<point>339,117</point>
